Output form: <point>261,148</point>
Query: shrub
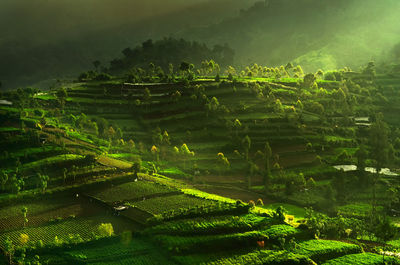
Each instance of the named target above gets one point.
<point>103,77</point>
<point>105,230</point>
<point>321,250</point>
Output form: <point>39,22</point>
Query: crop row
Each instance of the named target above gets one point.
<point>186,244</point>
<point>86,228</point>
<point>364,259</point>
<point>131,190</point>
<point>209,243</point>
<point>360,210</point>
<point>162,204</point>
<point>265,257</point>
<point>211,225</point>
<point>321,250</point>
<point>34,207</point>
<point>123,249</point>
<point>211,209</point>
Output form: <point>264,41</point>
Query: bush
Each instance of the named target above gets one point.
<point>103,77</point>
<point>105,230</point>
<point>321,250</point>
<point>362,258</point>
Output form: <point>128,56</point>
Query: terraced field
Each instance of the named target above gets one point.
<point>139,159</point>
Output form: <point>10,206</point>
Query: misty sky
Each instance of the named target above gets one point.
<point>47,39</point>
<point>49,20</point>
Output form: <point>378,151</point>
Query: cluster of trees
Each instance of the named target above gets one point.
<point>375,225</point>
<point>169,51</point>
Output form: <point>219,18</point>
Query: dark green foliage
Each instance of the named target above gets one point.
<point>169,50</point>
<point>210,225</point>
<point>198,244</point>
<point>363,258</point>
<point>383,228</point>
<point>321,250</point>
<point>214,209</point>
<point>272,257</point>
<point>334,227</point>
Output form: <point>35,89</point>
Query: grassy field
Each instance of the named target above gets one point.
<point>362,258</point>
<point>291,209</point>
<point>131,190</point>
<point>170,203</point>
<point>86,228</point>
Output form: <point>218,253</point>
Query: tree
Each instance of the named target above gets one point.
<point>319,74</point>
<point>184,67</point>
<point>137,166</point>
<point>246,144</point>
<point>62,95</point>
<point>383,228</point>
<point>267,169</point>
<point>3,179</point>
<point>212,105</point>
<point>299,105</point>
<point>16,184</point>
<point>65,174</point>
<point>155,151</point>
<point>171,69</point>
<point>119,133</point>
<point>222,161</point>
<point>379,149</point>
<point>176,96</point>
<point>370,70</point>
<point>298,71</point>
<point>146,96</point>
<point>309,80</point>
<point>237,125</point>
<point>131,144</point>
<point>74,171</point>
<point>278,106</point>
<point>361,155</point>
<point>279,214</point>
<point>105,230</point>
<point>289,66</point>
<point>9,248</point>
<point>165,138</point>
<point>165,143</point>
<point>42,181</point>
<point>186,153</point>
<point>96,64</point>
<point>24,211</point>
<point>111,133</point>
<point>102,125</point>
<point>253,169</point>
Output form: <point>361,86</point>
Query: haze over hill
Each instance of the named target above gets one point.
<point>320,34</point>
<point>51,39</point>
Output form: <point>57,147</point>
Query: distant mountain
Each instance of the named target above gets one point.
<point>69,49</point>
<point>315,33</point>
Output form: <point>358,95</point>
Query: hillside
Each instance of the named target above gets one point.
<point>316,34</point>
<point>196,166</point>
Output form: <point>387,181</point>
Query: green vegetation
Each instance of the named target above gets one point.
<point>363,258</point>
<point>184,160</point>
<point>320,250</point>
<point>170,203</point>
<point>131,190</point>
